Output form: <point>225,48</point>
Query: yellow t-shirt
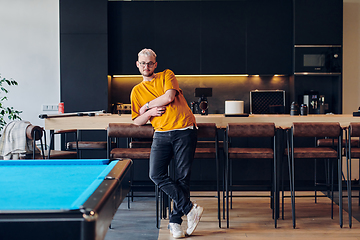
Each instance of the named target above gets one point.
<point>177,115</point>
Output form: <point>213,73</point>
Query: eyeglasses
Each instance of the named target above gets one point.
<point>143,64</point>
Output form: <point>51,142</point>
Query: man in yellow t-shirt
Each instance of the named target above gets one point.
<point>159,99</point>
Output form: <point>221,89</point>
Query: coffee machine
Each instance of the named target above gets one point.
<point>202,104</point>
<point>314,102</point>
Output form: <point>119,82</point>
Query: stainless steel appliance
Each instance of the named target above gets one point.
<point>322,59</point>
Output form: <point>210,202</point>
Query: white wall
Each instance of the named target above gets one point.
<point>351,61</point>
<point>29,53</point>
<point>351,65</point>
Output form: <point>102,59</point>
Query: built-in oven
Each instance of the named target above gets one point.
<point>318,59</point>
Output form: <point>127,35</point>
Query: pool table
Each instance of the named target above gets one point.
<point>60,199</point>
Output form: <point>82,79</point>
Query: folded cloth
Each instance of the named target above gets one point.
<point>13,142</point>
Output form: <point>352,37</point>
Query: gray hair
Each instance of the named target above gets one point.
<point>147,52</point>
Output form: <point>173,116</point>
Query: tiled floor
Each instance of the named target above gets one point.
<point>138,222</point>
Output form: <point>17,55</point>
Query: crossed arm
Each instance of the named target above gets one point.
<point>156,107</point>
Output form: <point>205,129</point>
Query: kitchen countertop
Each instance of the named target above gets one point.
<point>101,121</point>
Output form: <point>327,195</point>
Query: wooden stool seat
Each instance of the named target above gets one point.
<point>315,152</point>
<point>330,142</point>
<point>88,145</point>
<point>205,152</point>
<point>355,152</point>
<point>251,153</point>
<point>133,153</point>
<point>140,144</point>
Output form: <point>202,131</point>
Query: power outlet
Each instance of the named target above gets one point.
<point>50,107</point>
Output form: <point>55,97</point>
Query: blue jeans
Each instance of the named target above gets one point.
<point>178,145</point>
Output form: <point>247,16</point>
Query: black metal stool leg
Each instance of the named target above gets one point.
<point>157,206</point>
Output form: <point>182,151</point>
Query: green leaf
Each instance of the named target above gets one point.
<point>4,90</point>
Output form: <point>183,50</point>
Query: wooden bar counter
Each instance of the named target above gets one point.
<point>101,121</point>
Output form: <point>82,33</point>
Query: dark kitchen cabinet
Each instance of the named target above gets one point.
<point>223,37</point>
<point>83,55</point>
<point>318,22</point>
<point>177,28</point>
<point>131,28</point>
<point>269,37</point>
<point>219,37</point>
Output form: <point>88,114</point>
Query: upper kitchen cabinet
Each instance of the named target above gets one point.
<point>318,22</point>
<point>130,29</point>
<point>83,54</point>
<point>177,36</point>
<point>269,37</point>
<point>223,37</point>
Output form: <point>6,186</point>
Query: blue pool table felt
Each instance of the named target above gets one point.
<point>49,185</point>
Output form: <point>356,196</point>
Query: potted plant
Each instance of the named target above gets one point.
<point>6,112</point>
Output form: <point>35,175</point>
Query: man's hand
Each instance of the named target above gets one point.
<point>143,109</point>
<point>152,112</point>
<point>157,111</point>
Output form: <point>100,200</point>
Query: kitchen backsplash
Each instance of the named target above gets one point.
<point>224,87</point>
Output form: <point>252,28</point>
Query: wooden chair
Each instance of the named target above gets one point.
<point>314,130</point>
<point>237,131</point>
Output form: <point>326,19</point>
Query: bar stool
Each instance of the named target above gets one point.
<point>36,133</point>
<point>128,131</point>
<point>208,148</point>
<point>232,152</point>
<point>81,145</point>
<point>353,151</point>
<point>333,143</point>
<point>315,130</point>
<point>60,154</point>
<point>131,131</point>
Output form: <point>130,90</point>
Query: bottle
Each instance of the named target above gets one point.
<point>294,109</point>
<point>194,107</point>
<point>303,110</point>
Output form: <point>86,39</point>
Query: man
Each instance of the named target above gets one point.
<point>159,99</point>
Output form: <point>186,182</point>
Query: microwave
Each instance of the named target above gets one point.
<point>318,59</point>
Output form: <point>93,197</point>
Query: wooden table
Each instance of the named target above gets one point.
<point>101,121</point>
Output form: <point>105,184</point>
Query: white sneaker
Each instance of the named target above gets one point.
<point>193,218</point>
<point>176,230</point>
